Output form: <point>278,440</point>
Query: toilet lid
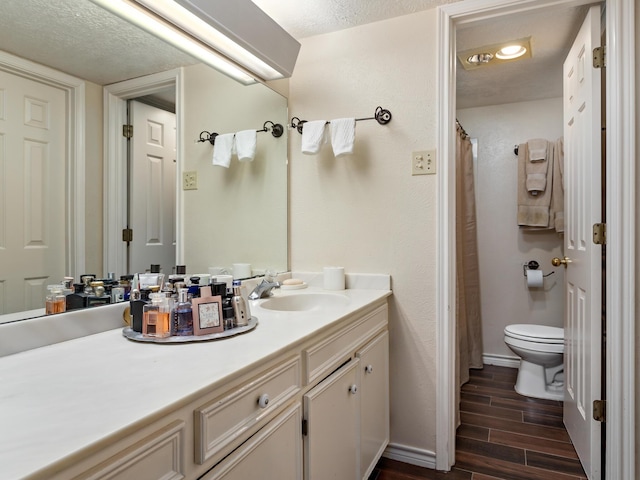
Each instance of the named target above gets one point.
<point>535,333</point>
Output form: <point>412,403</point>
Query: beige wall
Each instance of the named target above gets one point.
<point>503,247</point>
<point>93,180</point>
<point>237,215</point>
<point>365,211</point>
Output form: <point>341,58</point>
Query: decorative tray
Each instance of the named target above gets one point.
<point>138,337</point>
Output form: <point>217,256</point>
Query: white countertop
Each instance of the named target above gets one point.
<point>57,400</point>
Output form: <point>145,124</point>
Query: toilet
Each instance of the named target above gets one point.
<point>540,348</point>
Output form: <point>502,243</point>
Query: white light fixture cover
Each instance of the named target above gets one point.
<point>238,29</point>
<point>236,38</point>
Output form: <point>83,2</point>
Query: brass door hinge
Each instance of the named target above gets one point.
<point>127,235</point>
<point>127,131</point>
<point>599,410</point>
<point>599,57</point>
<point>600,233</point>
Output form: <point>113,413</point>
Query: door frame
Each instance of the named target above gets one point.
<point>74,89</point>
<point>115,161</point>
<point>620,211</point>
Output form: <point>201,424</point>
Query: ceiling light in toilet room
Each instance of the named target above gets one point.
<point>511,51</point>
<point>496,54</point>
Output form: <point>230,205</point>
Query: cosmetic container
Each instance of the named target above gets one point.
<point>155,317</point>
<point>55,300</point>
<point>240,306</point>
<point>183,315</point>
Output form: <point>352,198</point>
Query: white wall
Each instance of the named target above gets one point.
<point>366,212</point>
<point>503,246</point>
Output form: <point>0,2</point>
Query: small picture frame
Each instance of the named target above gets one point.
<point>207,315</point>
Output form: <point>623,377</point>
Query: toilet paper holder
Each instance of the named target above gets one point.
<point>533,265</point>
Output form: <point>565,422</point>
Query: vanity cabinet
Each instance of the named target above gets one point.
<point>301,398</point>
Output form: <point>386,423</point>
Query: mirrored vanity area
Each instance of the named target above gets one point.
<point>303,395</point>
<point>234,215</point>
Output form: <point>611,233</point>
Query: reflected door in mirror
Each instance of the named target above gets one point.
<point>33,133</point>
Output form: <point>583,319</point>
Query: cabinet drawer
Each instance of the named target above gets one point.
<point>223,420</point>
<point>157,456</point>
<point>325,356</point>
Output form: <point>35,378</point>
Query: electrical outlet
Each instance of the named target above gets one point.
<point>423,162</point>
<point>189,180</point>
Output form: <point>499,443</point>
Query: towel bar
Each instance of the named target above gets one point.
<point>381,115</point>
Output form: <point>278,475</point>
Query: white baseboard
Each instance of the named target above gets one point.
<point>501,360</point>
<point>412,455</point>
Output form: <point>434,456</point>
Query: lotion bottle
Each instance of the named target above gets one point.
<point>240,306</point>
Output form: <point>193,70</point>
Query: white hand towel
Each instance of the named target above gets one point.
<point>343,135</point>
<point>222,149</point>
<point>313,136</point>
<point>537,149</point>
<point>246,142</point>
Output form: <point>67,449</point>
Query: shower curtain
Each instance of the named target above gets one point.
<point>468,319</point>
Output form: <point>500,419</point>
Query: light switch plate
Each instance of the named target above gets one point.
<point>423,162</point>
<point>190,180</point>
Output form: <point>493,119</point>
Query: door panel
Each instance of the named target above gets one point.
<point>153,188</point>
<point>582,176</point>
<point>33,159</point>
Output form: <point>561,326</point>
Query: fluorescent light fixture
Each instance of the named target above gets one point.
<point>180,28</point>
<point>510,52</point>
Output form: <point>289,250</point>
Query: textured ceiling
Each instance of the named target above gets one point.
<point>79,38</point>
<point>551,29</point>
<point>82,39</point>
<point>304,18</point>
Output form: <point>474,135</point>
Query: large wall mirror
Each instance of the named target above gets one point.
<point>236,214</point>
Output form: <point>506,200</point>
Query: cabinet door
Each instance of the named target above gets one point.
<point>331,441</point>
<point>275,452</point>
<point>374,402</point>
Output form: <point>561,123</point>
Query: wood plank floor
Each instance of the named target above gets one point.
<point>502,435</point>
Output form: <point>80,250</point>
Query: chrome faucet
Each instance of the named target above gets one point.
<point>264,289</point>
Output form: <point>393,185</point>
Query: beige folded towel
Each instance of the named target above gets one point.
<point>557,193</point>
<point>536,180</point>
<point>537,149</point>
<point>533,210</point>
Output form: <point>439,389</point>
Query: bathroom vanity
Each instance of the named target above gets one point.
<point>304,395</point>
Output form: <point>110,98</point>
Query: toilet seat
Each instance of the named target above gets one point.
<point>535,333</point>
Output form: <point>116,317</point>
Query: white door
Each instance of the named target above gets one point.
<point>582,177</point>
<point>33,158</point>
<point>152,210</point>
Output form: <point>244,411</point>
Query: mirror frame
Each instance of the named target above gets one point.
<point>115,161</point>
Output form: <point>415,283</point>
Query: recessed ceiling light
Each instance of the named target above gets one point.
<point>479,58</point>
<point>511,51</point>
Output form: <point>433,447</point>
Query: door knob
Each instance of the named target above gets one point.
<point>556,262</point>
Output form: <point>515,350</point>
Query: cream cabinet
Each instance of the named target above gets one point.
<point>313,408</point>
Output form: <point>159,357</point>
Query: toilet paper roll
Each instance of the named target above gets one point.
<point>241,270</point>
<point>534,278</point>
<point>334,278</point>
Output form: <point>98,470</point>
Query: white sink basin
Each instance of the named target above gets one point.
<point>305,301</point>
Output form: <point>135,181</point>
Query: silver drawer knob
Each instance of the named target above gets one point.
<point>263,401</point>
<point>368,369</point>
<point>353,389</point>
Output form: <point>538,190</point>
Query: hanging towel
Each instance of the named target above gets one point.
<point>343,135</point>
<point>557,194</point>
<point>536,180</point>
<point>246,142</point>
<point>537,149</point>
<point>223,149</point>
<point>313,136</point>
<point>533,210</point>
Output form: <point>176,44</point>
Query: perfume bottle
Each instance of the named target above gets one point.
<point>240,306</point>
<point>155,317</point>
<point>55,300</point>
<point>183,315</point>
